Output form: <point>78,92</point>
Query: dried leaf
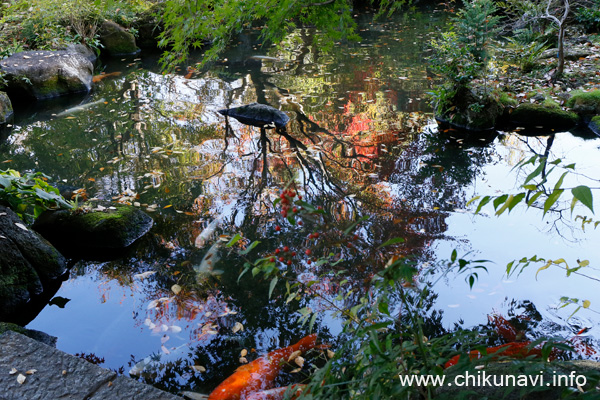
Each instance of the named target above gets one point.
<point>299,361</point>
<point>244,353</point>
<point>294,355</point>
<point>295,370</point>
<point>176,289</point>
<point>165,350</point>
<point>243,360</point>
<point>330,353</point>
<point>13,371</point>
<point>21,378</point>
<point>31,371</point>
<point>237,327</point>
<point>198,368</point>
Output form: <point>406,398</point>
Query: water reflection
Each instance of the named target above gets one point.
<point>358,144</point>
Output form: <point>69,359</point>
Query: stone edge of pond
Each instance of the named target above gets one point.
<point>53,374</point>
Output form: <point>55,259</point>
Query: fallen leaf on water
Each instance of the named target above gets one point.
<point>198,368</point>
<point>243,360</point>
<point>243,353</point>
<point>295,370</point>
<point>21,378</point>
<point>299,361</point>
<point>165,350</point>
<point>144,275</point>
<point>237,327</point>
<point>164,339</point>
<point>176,288</point>
<point>294,355</point>
<point>330,354</point>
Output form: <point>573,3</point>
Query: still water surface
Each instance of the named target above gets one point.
<point>157,140</point>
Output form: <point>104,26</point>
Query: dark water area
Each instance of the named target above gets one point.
<point>362,143</point>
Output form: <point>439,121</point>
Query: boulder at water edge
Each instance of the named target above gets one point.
<point>28,266</point>
<point>85,230</point>
<point>116,40</point>
<point>41,74</point>
<point>594,125</point>
<point>549,119</point>
<point>6,110</point>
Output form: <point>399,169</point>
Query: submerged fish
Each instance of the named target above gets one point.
<point>80,108</point>
<point>512,349</point>
<point>98,78</point>
<point>276,393</point>
<point>260,373</point>
<point>207,233</point>
<point>205,269</point>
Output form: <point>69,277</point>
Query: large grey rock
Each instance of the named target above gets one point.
<point>256,114</point>
<point>60,375</point>
<point>116,40</point>
<point>6,109</point>
<point>74,231</point>
<point>28,265</point>
<point>42,74</point>
<point>32,333</point>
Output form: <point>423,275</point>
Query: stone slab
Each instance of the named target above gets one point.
<point>60,375</point>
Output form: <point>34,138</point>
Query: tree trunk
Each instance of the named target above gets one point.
<point>561,50</point>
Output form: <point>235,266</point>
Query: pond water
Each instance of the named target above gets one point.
<point>364,145</point>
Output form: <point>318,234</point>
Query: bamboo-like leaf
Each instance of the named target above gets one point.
<point>391,241</point>
<point>234,240</point>
<point>482,203</point>
<point>272,286</point>
<point>552,199</point>
<point>548,264</point>
<point>250,247</point>
<point>509,199</point>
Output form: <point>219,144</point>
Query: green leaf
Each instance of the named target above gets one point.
<point>234,240</point>
<point>535,172</point>
<point>453,255</point>
<point>499,200</point>
<point>482,203</point>
<point>560,181</point>
<point>584,195</point>
<point>548,264</point>
<point>534,198</point>
<point>505,206</point>
<point>472,200</point>
<point>391,241</point>
<point>384,308</point>
<point>250,247</point>
<point>272,286</point>
<point>353,225</point>
<point>552,199</point>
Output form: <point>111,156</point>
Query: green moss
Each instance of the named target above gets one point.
<point>551,104</point>
<point>585,102</point>
<point>506,100</point>
<point>535,115</point>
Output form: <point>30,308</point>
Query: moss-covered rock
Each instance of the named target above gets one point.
<point>116,40</point>
<point>594,125</point>
<point>29,265</point>
<point>6,110</point>
<point>550,119</point>
<point>74,231</point>
<point>42,74</point>
<point>466,110</point>
<point>585,103</point>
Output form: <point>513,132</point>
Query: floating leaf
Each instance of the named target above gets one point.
<point>243,360</point>
<point>299,361</point>
<point>237,327</point>
<point>295,354</point>
<point>198,368</point>
<point>244,353</point>
<point>176,289</point>
<point>165,350</point>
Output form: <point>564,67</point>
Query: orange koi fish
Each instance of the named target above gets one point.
<point>260,373</point>
<point>103,75</point>
<point>275,394</point>
<point>513,349</point>
<point>505,328</point>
